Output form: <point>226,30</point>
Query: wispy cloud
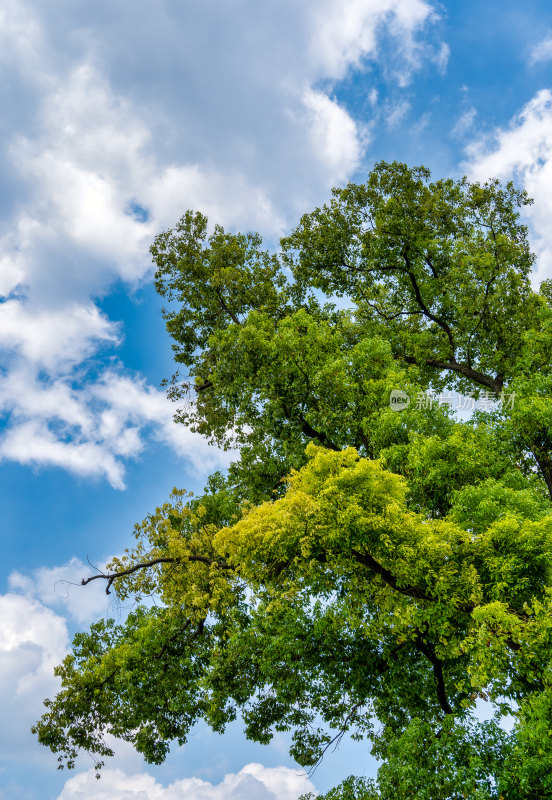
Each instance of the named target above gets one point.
<point>442,58</point>
<point>464,124</point>
<point>396,113</point>
<point>542,51</point>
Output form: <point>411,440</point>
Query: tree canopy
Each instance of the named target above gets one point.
<point>359,569</point>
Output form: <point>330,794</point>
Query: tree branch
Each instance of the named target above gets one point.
<point>307,428</point>
<point>388,577</point>
<point>200,387</point>
<point>225,308</point>
<point>430,265</point>
<point>172,638</point>
<point>110,577</point>
<point>309,431</point>
<point>428,651</point>
<point>409,591</point>
<point>495,384</point>
<point>336,739</point>
<point>419,299</point>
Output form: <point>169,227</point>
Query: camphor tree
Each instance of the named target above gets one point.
<point>359,569</point>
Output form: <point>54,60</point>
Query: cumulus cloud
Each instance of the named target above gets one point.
<point>344,33</point>
<point>108,138</point>
<point>523,151</point>
<point>333,133</point>
<point>33,639</point>
<point>253,782</point>
<point>92,429</point>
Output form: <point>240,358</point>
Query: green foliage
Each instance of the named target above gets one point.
<point>351,789</point>
<point>358,569</point>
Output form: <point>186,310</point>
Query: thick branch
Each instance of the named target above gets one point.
<point>200,387</point>
<point>542,457</point>
<point>309,431</point>
<point>419,594</point>
<point>388,577</point>
<point>495,384</point>
<point>432,268</point>
<point>437,664</point>
<point>409,591</point>
<point>307,428</point>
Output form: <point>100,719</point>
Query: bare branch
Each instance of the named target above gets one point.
<point>336,739</point>
<point>110,577</point>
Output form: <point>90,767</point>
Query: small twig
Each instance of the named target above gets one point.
<point>336,739</point>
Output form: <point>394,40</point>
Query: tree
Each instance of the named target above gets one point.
<point>358,569</point>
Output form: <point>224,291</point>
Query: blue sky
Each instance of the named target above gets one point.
<point>116,118</point>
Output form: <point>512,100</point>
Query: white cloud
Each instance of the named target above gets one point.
<point>60,587</point>
<point>51,339</point>
<point>87,163</point>
<point>118,128</point>
<point>345,33</point>
<point>541,51</point>
<point>253,782</point>
<point>92,429</point>
<point>130,402</point>
<point>523,146</point>
<point>442,57</point>
<point>33,639</point>
<point>29,443</point>
<point>397,113</point>
<point>523,151</point>
<point>464,123</point>
<point>334,135</point>
<point>180,187</point>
